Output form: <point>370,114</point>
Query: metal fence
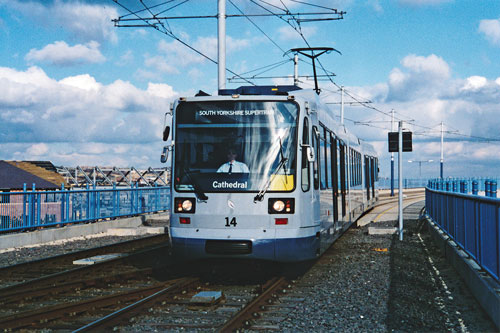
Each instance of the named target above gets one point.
<point>29,209</point>
<point>385,183</point>
<point>472,221</point>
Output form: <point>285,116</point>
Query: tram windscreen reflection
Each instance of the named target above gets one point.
<point>235,146</point>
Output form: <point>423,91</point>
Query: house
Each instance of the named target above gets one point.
<point>14,174</point>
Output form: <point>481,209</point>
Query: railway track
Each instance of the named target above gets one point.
<point>125,294</point>
<point>31,270</point>
<point>54,286</point>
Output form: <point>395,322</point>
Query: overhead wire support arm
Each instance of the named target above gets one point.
<point>155,17</point>
<point>313,56</point>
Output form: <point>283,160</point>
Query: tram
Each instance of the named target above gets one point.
<point>263,172</point>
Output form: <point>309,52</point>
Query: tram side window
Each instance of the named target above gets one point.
<point>305,163</point>
<point>360,169</point>
<point>328,159</point>
<point>315,145</point>
<point>322,161</point>
<point>334,162</point>
<point>351,166</point>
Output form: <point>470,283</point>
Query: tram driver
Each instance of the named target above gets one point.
<point>233,166</point>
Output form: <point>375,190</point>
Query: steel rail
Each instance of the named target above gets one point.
<point>133,244</point>
<point>118,315</point>
<point>44,315</point>
<point>46,291</point>
<point>61,276</point>
<point>243,317</point>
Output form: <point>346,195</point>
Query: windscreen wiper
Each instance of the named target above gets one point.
<point>197,190</point>
<point>262,192</point>
<point>283,158</point>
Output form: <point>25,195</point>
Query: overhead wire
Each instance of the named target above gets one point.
<point>168,31</point>
<point>256,26</point>
<point>173,36</point>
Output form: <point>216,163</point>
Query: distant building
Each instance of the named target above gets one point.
<point>14,174</point>
<point>16,209</point>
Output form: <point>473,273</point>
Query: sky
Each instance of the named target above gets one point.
<point>76,90</point>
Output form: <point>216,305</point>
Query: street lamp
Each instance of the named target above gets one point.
<point>420,165</point>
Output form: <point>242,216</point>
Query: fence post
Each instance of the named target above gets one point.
<point>447,186</point>
<point>62,202</point>
<point>493,188</point>
<point>88,202</point>
<point>466,187</point>
<point>455,185</point>
<point>487,188</point>
<point>38,208</point>
<point>114,199</point>
<point>474,187</point>
<point>31,209</point>
<point>24,205</point>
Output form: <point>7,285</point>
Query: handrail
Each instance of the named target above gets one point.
<point>28,209</point>
<point>472,221</point>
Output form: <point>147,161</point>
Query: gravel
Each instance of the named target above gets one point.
<point>376,283</point>
<point>364,283</point>
<point>14,256</point>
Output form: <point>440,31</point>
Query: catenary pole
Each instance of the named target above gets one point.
<point>221,51</point>
<point>400,176</point>
<point>342,105</point>
<point>442,152</point>
<point>392,156</point>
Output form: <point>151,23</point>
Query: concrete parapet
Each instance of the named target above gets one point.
<point>381,231</point>
<point>484,288</point>
<point>51,234</point>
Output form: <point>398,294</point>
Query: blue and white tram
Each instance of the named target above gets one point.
<point>264,173</point>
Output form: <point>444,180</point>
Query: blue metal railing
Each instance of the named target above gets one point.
<point>30,208</point>
<point>472,221</point>
<point>385,183</point>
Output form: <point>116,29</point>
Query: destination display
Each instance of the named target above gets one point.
<point>241,112</point>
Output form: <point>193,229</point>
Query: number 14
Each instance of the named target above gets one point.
<point>231,222</point>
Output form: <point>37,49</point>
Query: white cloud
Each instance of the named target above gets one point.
<point>79,118</point>
<point>86,22</point>
<point>491,30</point>
<point>475,83</point>
<point>177,55</point>
<point>84,81</point>
<point>17,116</point>
<point>37,149</point>
<point>60,53</point>
<point>424,92</point>
<point>161,90</point>
<point>421,76</point>
<point>160,64</point>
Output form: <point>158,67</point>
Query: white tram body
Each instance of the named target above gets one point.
<point>308,178</point>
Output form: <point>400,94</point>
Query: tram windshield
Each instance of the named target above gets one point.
<point>231,146</point>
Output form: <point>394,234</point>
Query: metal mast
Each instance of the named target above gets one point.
<point>392,156</point>
<point>221,51</point>
<point>342,105</point>
<point>442,153</point>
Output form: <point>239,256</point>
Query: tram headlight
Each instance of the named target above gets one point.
<point>281,206</point>
<point>187,205</point>
<point>278,206</point>
<point>184,205</point>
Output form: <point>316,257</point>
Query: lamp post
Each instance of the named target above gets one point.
<point>420,165</point>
